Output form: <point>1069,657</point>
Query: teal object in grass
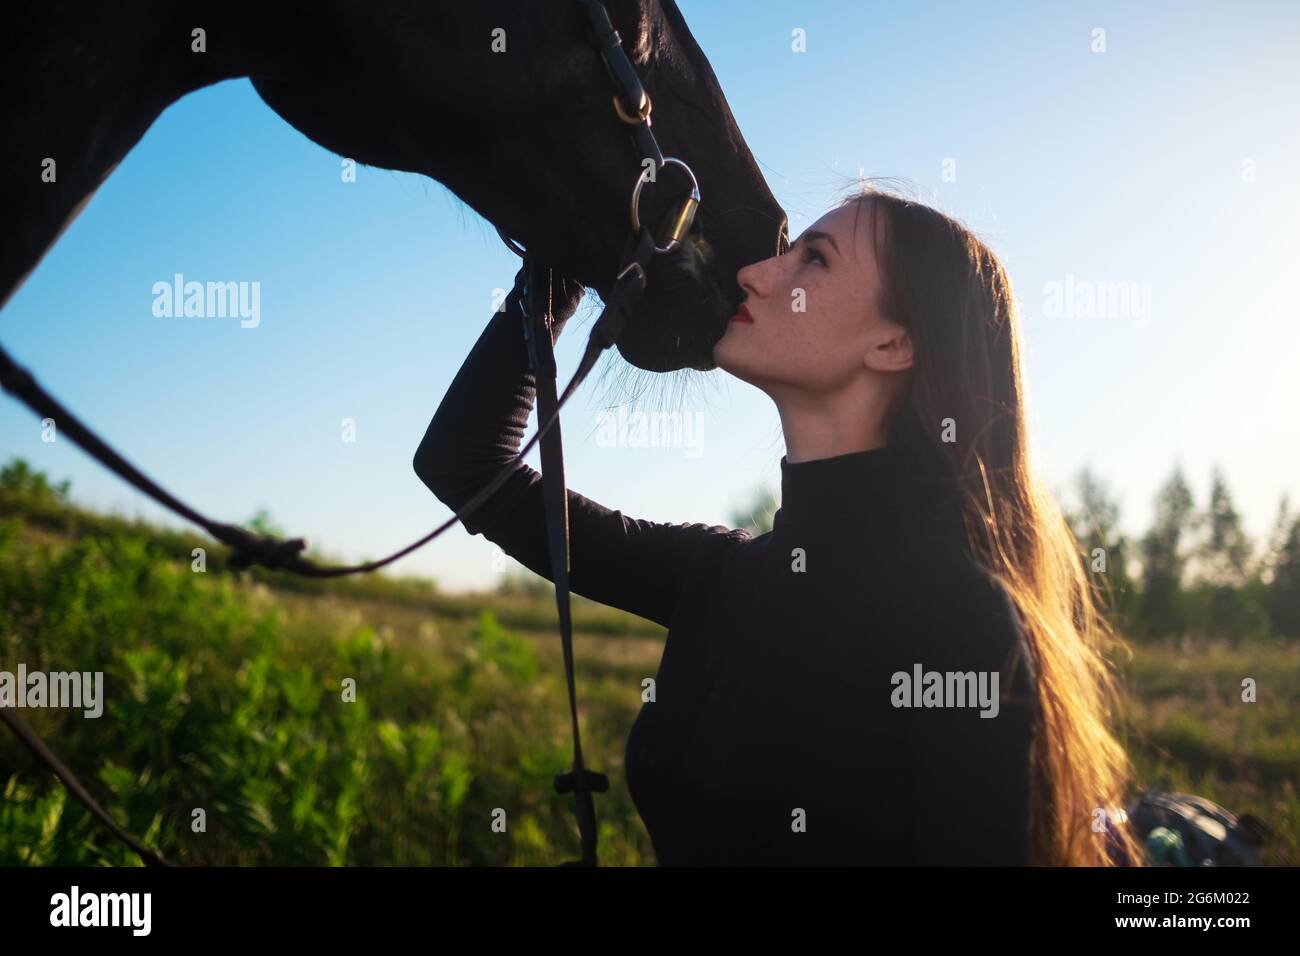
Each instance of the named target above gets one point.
<point>1164,847</point>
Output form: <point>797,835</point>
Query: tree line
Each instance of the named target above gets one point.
<point>1196,569</point>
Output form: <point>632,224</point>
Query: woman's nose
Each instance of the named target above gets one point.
<point>753,278</point>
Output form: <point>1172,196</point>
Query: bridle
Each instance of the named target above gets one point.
<point>633,105</point>
<point>538,332</point>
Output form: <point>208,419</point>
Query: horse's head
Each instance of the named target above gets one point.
<point>508,104</point>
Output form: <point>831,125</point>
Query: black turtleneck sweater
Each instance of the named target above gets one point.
<point>776,734</point>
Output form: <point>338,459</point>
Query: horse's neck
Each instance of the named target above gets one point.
<point>87,84</point>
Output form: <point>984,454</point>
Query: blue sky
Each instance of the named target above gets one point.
<point>1169,160</point>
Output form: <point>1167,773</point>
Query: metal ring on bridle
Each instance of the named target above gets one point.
<point>642,115</point>
<point>685,215</point>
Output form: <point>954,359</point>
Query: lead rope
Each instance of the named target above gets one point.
<point>538,332</point>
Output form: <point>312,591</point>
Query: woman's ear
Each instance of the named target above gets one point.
<point>891,352</point>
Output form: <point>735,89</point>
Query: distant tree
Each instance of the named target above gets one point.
<point>1277,537</point>
<point>1165,552</point>
<point>20,478</point>
<point>1105,549</point>
<point>1283,573</point>
<point>756,518</point>
<point>1229,597</point>
<point>1225,555</point>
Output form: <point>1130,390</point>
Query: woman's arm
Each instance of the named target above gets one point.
<point>638,566</point>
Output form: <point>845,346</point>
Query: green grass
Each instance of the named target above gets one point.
<point>224,693</point>
<point>1190,731</point>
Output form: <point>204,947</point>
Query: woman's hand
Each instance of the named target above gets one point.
<point>565,295</point>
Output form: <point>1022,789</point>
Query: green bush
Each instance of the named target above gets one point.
<point>213,704</point>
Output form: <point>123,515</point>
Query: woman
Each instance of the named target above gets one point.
<point>908,668</point>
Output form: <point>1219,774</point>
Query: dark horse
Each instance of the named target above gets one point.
<point>505,102</point>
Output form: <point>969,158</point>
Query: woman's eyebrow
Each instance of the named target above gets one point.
<point>811,234</point>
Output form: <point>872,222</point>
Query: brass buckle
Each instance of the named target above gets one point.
<point>642,115</point>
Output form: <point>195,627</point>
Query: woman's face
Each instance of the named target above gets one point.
<point>816,323</point>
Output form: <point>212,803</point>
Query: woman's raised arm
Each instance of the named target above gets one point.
<point>638,566</point>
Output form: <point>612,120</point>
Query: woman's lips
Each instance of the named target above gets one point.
<point>742,315</point>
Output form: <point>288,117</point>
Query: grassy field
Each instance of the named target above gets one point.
<point>224,695</point>
<point>1188,729</point>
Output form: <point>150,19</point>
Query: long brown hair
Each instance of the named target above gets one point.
<point>962,413</point>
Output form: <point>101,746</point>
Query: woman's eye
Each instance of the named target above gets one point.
<point>809,253</point>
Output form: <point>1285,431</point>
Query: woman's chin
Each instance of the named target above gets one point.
<point>722,355</point>
<point>725,357</point>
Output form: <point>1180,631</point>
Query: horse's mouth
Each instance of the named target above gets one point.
<point>696,262</point>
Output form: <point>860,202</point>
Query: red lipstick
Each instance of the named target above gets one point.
<point>742,315</point>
